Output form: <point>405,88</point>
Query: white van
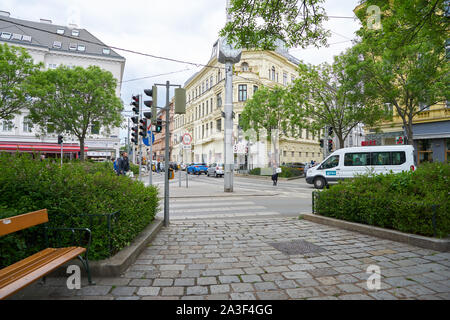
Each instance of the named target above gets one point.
<point>348,162</point>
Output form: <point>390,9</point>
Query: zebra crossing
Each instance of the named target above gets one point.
<point>214,208</point>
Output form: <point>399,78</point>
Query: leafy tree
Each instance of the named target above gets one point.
<point>15,67</point>
<point>403,62</point>
<point>267,113</point>
<point>260,23</point>
<point>74,100</point>
<point>329,96</point>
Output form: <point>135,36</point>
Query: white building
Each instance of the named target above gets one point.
<point>55,45</point>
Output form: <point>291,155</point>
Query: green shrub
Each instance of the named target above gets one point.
<point>70,194</point>
<point>402,201</point>
<point>287,172</point>
<point>255,171</point>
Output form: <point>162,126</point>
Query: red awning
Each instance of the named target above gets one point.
<point>43,147</point>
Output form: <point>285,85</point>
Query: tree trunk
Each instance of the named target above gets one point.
<point>341,141</point>
<point>409,132</point>
<point>82,149</point>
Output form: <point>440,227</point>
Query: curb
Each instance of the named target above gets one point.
<point>116,265</point>
<point>411,239</point>
<point>267,177</point>
<point>223,195</point>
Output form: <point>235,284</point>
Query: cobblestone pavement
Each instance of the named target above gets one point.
<point>235,259</point>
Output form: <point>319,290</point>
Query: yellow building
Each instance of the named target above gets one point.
<point>205,94</point>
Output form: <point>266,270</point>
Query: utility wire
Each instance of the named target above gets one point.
<point>156,75</point>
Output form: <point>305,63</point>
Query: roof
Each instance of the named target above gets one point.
<point>41,34</point>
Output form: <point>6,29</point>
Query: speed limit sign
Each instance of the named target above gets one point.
<point>187,139</point>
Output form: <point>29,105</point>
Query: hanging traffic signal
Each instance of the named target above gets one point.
<point>135,120</point>
<point>321,143</point>
<point>330,145</point>
<point>135,104</point>
<point>148,115</point>
<point>134,134</point>
<point>60,139</point>
<point>143,128</point>
<point>153,92</point>
<point>158,127</point>
<point>180,101</point>
<point>330,131</point>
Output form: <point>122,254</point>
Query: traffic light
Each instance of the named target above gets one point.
<point>134,135</point>
<point>330,145</point>
<point>143,128</point>
<point>180,101</point>
<point>158,127</point>
<point>330,131</point>
<point>321,143</point>
<point>135,104</point>
<point>153,92</point>
<point>135,120</point>
<point>60,139</point>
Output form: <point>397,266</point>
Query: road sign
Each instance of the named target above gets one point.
<point>187,147</point>
<point>187,139</point>
<point>146,140</point>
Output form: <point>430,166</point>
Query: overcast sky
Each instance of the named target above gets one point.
<point>178,29</point>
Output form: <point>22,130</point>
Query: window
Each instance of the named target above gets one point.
<point>75,33</point>
<point>27,124</point>
<point>255,88</point>
<point>106,51</point>
<point>7,125</point>
<point>285,78</point>
<point>356,159</point>
<point>207,129</point>
<point>272,75</point>
<point>331,162</point>
<point>60,31</point>
<point>57,44</point>
<point>244,66</point>
<point>207,107</point>
<point>81,47</point>
<point>381,158</point>
<point>219,101</point>
<point>398,158</point>
<point>425,152</point>
<point>203,130</point>
<point>300,154</point>
<point>26,38</point>
<point>211,82</point>
<point>203,109</point>
<point>73,46</point>
<point>16,36</point>
<point>447,155</point>
<point>218,125</point>
<point>5,35</point>
<point>284,153</point>
<point>211,104</point>
<point>242,92</point>
<point>207,84</point>
<point>293,154</point>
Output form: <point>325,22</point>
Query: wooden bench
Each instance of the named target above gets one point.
<point>23,273</point>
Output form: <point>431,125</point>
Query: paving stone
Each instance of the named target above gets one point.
<point>242,287</point>
<point>123,291</point>
<point>323,298</point>
<point>329,290</point>
<point>221,288</point>
<point>109,281</point>
<point>430,297</point>
<point>286,284</point>
<point>230,272</point>
<point>134,274</point>
<point>307,282</point>
<point>401,293</point>
<point>272,277</point>
<point>437,287</point>
<point>193,298</point>
<point>184,282</point>
<point>172,267</point>
<point>276,269</point>
<point>343,270</point>
<point>346,278</point>
<point>190,274</point>
<point>272,295</point>
<point>398,281</point>
<point>210,273</point>
<point>163,282</point>
<point>172,291</point>
<point>228,279</point>
<point>420,290</point>
<point>382,295</point>
<point>301,293</point>
<point>141,282</point>
<point>301,267</point>
<point>242,296</point>
<point>128,298</point>
<point>323,272</point>
<point>349,288</point>
<point>327,281</point>
<point>251,278</point>
<point>254,270</point>
<point>94,291</point>
<point>148,291</point>
<point>265,286</point>
<point>217,297</point>
<point>296,275</point>
<point>197,290</point>
<point>206,281</point>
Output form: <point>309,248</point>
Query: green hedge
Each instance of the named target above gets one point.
<point>286,172</point>
<point>402,201</point>
<point>68,193</point>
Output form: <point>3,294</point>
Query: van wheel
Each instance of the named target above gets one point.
<point>319,183</point>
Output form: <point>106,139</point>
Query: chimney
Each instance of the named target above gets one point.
<point>46,21</point>
<point>4,13</point>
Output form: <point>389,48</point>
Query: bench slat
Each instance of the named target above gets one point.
<point>20,278</point>
<point>23,221</point>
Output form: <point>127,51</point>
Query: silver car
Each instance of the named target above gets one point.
<point>215,170</point>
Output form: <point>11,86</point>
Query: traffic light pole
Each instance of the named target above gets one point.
<point>228,146</point>
<point>140,139</point>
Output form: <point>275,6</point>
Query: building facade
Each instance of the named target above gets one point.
<point>203,121</point>
<point>55,45</point>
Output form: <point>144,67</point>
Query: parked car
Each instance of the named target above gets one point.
<point>215,170</point>
<point>197,168</point>
<point>296,165</point>
<point>183,166</point>
<point>347,163</point>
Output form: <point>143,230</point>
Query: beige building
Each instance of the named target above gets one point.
<point>205,95</point>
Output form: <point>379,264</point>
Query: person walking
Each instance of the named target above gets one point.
<point>116,169</point>
<point>124,164</point>
<point>158,167</point>
<point>274,174</point>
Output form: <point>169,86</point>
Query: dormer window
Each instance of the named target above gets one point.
<point>73,46</point>
<point>57,44</point>
<point>81,47</point>
<point>75,33</point>
<point>26,38</point>
<point>16,36</point>
<point>60,31</point>
<point>106,51</point>
<point>6,35</point>
<point>244,66</point>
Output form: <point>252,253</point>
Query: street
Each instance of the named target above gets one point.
<point>252,197</point>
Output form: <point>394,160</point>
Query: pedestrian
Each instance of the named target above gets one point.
<point>123,164</point>
<point>42,157</point>
<point>158,167</point>
<point>114,161</point>
<point>275,174</point>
